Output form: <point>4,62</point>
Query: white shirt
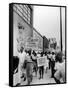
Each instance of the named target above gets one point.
<point>34,57</point>
<point>22,56</point>
<point>46,61</point>
<point>38,55</point>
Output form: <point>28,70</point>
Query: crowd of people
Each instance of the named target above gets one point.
<point>25,64</point>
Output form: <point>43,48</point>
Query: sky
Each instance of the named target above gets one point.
<point>46,20</point>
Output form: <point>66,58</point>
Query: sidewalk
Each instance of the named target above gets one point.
<point>46,79</point>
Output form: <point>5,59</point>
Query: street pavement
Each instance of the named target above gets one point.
<point>46,79</point>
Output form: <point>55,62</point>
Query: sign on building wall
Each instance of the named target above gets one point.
<point>31,43</point>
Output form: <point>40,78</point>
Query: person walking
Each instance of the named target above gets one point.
<point>22,56</point>
<point>59,75</point>
<point>49,58</point>
<point>41,69</point>
<point>28,64</point>
<point>34,59</point>
<point>46,67</point>
<point>52,64</point>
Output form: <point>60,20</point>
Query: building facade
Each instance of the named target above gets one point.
<point>22,25</point>
<point>52,43</point>
<point>45,43</point>
<point>39,40</point>
<point>24,35</point>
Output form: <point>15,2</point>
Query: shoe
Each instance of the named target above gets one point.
<point>22,76</point>
<point>18,84</point>
<point>24,79</point>
<point>39,77</point>
<point>42,77</point>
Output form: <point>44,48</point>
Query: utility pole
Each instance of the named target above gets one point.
<point>61,28</point>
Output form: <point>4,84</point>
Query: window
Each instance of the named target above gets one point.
<point>25,12</point>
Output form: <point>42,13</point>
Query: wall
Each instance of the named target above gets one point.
<point>36,35</point>
<point>20,36</point>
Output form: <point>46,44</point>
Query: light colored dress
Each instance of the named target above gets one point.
<point>47,63</point>
<point>60,73</point>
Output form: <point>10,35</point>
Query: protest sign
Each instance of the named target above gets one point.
<point>41,61</point>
